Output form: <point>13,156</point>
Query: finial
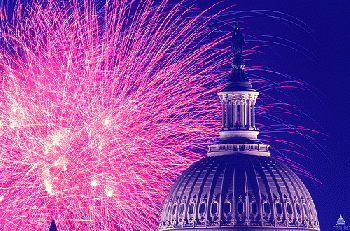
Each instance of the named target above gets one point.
<point>237,40</point>
<point>237,80</point>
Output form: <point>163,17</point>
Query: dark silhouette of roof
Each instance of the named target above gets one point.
<point>53,226</point>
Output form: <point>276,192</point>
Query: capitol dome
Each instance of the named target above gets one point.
<point>222,192</point>
<point>238,186</point>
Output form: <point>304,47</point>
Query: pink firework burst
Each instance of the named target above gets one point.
<point>97,119</point>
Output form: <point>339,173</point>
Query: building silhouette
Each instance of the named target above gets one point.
<point>53,226</point>
<point>238,186</point>
<point>340,224</point>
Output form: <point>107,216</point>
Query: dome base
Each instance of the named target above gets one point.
<point>257,149</point>
<point>249,134</point>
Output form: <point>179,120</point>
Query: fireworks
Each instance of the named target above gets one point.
<point>101,109</point>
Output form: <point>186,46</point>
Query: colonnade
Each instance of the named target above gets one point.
<point>238,113</point>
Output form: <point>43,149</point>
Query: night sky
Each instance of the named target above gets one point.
<point>325,68</point>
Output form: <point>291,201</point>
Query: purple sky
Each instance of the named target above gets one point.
<point>328,71</point>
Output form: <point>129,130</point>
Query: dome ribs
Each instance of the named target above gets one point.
<point>285,186</point>
<point>188,177</point>
<point>181,193</point>
<point>235,192</point>
<point>204,194</point>
<point>288,201</point>
<point>240,189</point>
<point>182,178</point>
<point>227,195</point>
<point>266,202</point>
<point>277,192</point>
<point>304,218</point>
<point>309,202</point>
<point>262,189</point>
<point>194,191</point>
<point>253,195</point>
<point>215,195</point>
<point>297,198</point>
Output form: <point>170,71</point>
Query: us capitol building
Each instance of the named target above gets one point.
<point>238,186</point>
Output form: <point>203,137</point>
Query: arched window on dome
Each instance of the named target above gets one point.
<point>289,208</point>
<point>254,208</point>
<point>201,209</point>
<point>227,207</point>
<point>297,206</point>
<point>305,210</point>
<point>310,209</point>
<point>191,209</point>
<point>214,208</point>
<point>267,208</point>
<point>181,209</point>
<point>174,210</point>
<point>279,208</point>
<point>240,207</point>
<point>168,212</point>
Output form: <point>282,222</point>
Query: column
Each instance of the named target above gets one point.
<point>223,114</point>
<point>229,114</point>
<point>245,114</point>
<point>253,114</point>
<point>234,113</point>
<point>249,115</point>
<point>241,113</point>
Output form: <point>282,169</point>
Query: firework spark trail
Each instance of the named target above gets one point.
<point>97,120</point>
